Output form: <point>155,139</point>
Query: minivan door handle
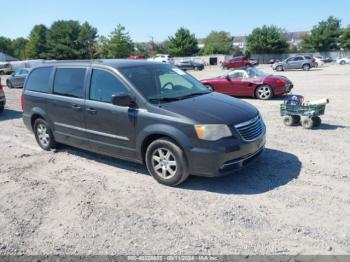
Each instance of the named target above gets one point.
<point>76,107</point>
<point>91,110</point>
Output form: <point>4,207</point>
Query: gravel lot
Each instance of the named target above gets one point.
<point>295,199</point>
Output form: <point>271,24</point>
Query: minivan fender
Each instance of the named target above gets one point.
<point>37,111</point>
<point>161,130</point>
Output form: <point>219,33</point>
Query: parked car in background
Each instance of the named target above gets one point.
<point>190,65</point>
<point>343,60</point>
<point>295,62</point>
<point>136,57</point>
<point>253,62</point>
<point>162,59</point>
<point>318,62</point>
<point>6,69</point>
<point>273,60</point>
<point>2,98</point>
<point>16,80</point>
<point>250,82</point>
<point>161,116</point>
<point>325,59</point>
<point>236,62</point>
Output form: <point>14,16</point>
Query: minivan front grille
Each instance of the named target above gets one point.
<point>252,129</point>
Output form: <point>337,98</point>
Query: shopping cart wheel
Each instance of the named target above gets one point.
<point>307,123</point>
<point>296,119</point>
<point>317,120</point>
<point>288,120</point>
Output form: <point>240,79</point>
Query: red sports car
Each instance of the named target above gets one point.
<point>250,82</point>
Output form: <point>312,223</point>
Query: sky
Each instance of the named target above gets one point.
<point>145,19</point>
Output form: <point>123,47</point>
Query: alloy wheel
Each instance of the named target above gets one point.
<point>43,135</point>
<point>264,92</point>
<point>164,163</point>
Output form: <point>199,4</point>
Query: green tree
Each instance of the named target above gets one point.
<point>120,44</point>
<point>324,36</point>
<point>141,49</point>
<point>217,43</point>
<point>267,39</point>
<point>6,46</point>
<point>19,48</point>
<point>37,43</point>
<point>62,40</point>
<point>183,43</point>
<point>102,47</point>
<point>344,39</point>
<point>87,41</point>
<point>163,47</point>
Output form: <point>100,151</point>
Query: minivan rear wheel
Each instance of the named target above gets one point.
<point>43,135</point>
<point>166,162</point>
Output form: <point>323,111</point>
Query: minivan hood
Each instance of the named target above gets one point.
<point>213,108</point>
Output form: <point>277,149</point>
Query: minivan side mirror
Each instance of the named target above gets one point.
<point>122,99</point>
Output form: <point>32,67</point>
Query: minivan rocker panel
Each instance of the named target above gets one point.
<point>173,124</point>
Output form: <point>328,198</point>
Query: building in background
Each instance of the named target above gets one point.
<point>6,58</point>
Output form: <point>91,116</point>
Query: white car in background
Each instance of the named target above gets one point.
<point>318,62</point>
<point>343,60</point>
<point>162,58</point>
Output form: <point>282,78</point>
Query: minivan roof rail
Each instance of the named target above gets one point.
<point>74,61</point>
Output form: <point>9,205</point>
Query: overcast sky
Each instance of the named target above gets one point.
<point>160,18</point>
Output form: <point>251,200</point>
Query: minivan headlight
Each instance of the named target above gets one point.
<point>212,132</point>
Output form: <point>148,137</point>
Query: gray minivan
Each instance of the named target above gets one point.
<point>146,112</point>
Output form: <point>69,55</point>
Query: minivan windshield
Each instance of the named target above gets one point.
<point>163,83</point>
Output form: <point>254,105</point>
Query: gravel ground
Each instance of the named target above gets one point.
<point>294,199</point>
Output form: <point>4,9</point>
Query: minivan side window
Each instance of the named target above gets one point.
<point>104,85</point>
<point>69,82</point>
<point>39,80</point>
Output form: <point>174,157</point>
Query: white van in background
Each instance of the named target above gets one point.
<point>162,58</point>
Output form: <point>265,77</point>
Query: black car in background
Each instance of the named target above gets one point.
<point>190,65</point>
<point>16,80</point>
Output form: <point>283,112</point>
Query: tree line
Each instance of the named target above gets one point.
<point>69,39</point>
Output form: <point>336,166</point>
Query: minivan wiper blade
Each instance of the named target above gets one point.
<point>164,99</point>
<point>193,95</point>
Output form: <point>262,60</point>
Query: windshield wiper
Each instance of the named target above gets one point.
<point>193,95</point>
<point>164,99</point>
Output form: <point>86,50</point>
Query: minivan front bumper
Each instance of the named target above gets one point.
<point>224,157</point>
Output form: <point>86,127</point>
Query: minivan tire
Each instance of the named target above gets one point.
<point>43,135</point>
<point>166,162</point>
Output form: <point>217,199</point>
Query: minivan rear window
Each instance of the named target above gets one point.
<point>69,82</point>
<point>39,79</point>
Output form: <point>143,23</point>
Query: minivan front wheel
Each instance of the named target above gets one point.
<point>43,134</point>
<point>166,162</point>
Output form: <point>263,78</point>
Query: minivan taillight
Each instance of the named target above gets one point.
<point>22,102</point>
